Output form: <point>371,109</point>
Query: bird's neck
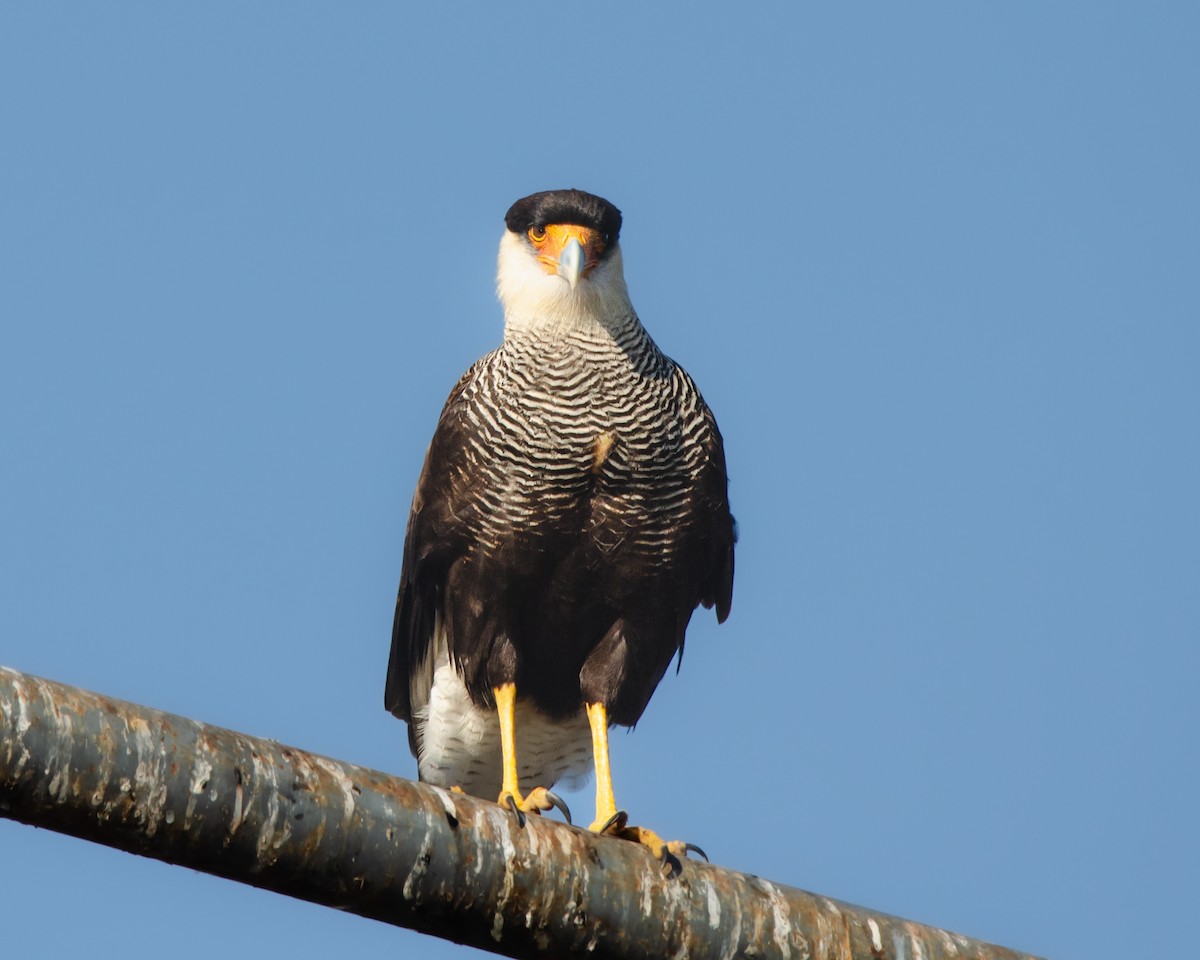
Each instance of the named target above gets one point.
<point>615,326</point>
<point>600,312</point>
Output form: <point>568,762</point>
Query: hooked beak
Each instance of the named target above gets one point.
<point>571,262</point>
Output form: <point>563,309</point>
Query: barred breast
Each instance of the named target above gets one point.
<point>551,415</point>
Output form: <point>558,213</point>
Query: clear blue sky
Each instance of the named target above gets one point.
<point>934,266</point>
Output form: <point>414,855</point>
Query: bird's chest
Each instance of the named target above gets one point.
<point>602,427</point>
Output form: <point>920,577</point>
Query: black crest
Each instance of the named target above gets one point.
<point>565,206</point>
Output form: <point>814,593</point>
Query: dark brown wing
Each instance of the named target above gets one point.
<point>711,498</point>
<point>436,537</point>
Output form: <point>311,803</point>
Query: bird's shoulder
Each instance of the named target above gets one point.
<point>446,477</point>
<point>696,417</point>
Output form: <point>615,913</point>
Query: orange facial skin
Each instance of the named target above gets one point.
<point>551,239</point>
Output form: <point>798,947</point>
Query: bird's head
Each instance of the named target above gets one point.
<point>560,261</point>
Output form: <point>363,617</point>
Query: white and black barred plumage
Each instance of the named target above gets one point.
<point>571,514</point>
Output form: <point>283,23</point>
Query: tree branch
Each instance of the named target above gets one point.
<point>258,812</point>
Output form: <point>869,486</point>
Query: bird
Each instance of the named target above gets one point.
<point>571,514</point>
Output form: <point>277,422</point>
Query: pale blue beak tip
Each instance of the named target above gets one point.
<point>570,262</point>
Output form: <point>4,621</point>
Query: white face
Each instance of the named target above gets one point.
<point>536,299</point>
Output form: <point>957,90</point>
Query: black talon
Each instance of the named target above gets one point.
<point>555,799</point>
<point>618,820</point>
<point>692,848</point>
<point>511,803</point>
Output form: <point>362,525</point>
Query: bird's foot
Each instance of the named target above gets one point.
<point>537,800</point>
<point>670,852</point>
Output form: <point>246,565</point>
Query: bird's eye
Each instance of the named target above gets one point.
<point>604,238</point>
<point>537,234</point>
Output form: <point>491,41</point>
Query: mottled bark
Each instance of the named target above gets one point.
<point>258,812</point>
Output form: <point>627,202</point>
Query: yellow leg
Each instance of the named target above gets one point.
<point>606,804</point>
<point>506,700</point>
<point>613,822</point>
<point>539,798</point>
